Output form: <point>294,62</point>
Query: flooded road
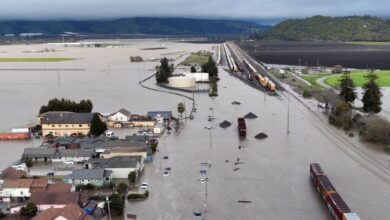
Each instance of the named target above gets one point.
<point>273,174</point>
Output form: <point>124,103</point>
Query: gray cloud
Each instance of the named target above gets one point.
<point>260,9</point>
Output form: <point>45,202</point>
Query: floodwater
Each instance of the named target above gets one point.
<point>274,174</point>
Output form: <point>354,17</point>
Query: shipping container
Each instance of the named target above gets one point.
<point>241,127</point>
<point>15,136</point>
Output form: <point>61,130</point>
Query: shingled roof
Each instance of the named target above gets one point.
<point>88,174</point>
<point>67,118</point>
<point>54,198</point>
<point>70,211</point>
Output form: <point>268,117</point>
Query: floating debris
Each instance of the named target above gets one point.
<point>225,124</point>
<point>235,169</point>
<point>237,163</point>
<point>244,201</point>
<point>236,103</point>
<point>250,115</point>
<point>261,136</point>
<point>226,161</point>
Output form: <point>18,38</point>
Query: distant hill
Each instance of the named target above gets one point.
<point>152,26</point>
<point>353,28</point>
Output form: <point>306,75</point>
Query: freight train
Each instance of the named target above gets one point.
<point>336,205</point>
<point>231,63</point>
<point>264,81</point>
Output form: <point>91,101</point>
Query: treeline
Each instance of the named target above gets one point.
<point>84,106</point>
<point>352,28</point>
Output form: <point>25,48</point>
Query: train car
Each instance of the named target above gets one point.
<point>15,136</point>
<point>271,86</point>
<point>324,186</point>
<point>336,205</point>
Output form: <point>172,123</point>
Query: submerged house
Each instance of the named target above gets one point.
<point>97,177</point>
<point>120,166</point>
<point>65,123</point>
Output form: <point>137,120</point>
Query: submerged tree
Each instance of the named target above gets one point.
<point>372,94</point>
<point>347,87</point>
<point>181,109</point>
<point>164,71</point>
<point>30,210</point>
<point>211,68</point>
<point>193,69</point>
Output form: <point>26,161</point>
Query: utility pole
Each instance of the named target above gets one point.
<point>288,115</point>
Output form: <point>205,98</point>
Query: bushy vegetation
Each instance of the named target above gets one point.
<point>29,210</point>
<point>117,203</point>
<point>122,188</point>
<point>85,187</point>
<point>376,130</point>
<point>136,196</point>
<point>84,106</point>
<point>353,28</point>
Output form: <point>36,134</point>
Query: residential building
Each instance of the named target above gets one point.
<point>58,155</point>
<point>97,177</point>
<point>156,114</point>
<point>122,115</point>
<point>46,200</point>
<point>75,155</point>
<point>141,121</point>
<point>65,123</point>
<point>120,166</point>
<point>11,174</point>
<point>16,188</point>
<point>126,151</point>
<point>59,187</point>
<point>69,212</point>
<point>39,154</point>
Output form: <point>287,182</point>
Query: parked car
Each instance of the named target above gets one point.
<point>68,162</point>
<point>144,185</point>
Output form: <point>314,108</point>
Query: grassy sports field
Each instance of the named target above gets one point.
<point>199,58</point>
<point>359,79</point>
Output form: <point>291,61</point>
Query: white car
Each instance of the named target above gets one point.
<point>144,185</point>
<point>203,180</point>
<point>68,162</point>
<point>166,173</point>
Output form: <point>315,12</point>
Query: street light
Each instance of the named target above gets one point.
<point>109,210</point>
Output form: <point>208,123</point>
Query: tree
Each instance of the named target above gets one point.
<point>181,108</point>
<point>28,161</point>
<point>122,188</point>
<point>67,105</point>
<point>132,177</point>
<point>372,95</point>
<point>30,210</point>
<point>117,203</point>
<point>337,69</point>
<point>347,87</point>
<point>193,69</point>
<point>97,126</point>
<point>211,68</point>
<point>164,71</point>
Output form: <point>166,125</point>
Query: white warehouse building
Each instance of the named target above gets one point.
<point>182,81</point>
<point>199,77</point>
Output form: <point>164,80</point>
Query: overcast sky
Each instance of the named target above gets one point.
<point>237,9</point>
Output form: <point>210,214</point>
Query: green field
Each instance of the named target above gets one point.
<point>359,79</point>
<point>370,43</point>
<point>312,79</point>
<point>29,60</point>
<point>199,58</point>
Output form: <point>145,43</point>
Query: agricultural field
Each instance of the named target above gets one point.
<point>30,60</point>
<point>359,79</point>
<point>326,54</point>
<point>199,58</point>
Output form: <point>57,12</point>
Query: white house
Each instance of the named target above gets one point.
<point>122,115</point>
<point>16,188</point>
